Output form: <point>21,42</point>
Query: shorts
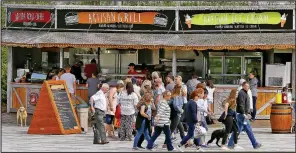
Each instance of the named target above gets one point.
<point>109,119</point>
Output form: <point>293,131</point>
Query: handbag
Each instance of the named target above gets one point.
<point>117,112</point>
<point>199,131</point>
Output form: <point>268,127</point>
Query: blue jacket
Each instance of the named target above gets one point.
<point>191,112</point>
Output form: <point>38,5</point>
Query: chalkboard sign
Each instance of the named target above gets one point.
<point>63,105</point>
<point>54,112</point>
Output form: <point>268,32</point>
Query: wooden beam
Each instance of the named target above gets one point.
<point>9,78</point>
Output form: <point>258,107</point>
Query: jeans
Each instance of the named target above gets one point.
<point>204,124</point>
<point>254,108</point>
<point>142,138</point>
<point>142,130</point>
<point>240,122</point>
<point>157,132</point>
<point>190,134</point>
<point>99,133</point>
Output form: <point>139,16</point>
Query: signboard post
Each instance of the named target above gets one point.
<point>237,20</point>
<point>54,113</point>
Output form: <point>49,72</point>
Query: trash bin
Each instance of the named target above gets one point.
<point>82,111</point>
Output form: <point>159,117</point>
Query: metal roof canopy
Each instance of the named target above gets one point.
<point>216,41</point>
<point>91,7</point>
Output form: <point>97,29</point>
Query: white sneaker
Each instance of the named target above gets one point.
<point>180,148</point>
<point>224,148</point>
<point>243,133</point>
<point>238,148</point>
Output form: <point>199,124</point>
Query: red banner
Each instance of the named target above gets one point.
<point>30,16</point>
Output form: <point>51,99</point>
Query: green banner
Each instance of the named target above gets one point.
<point>236,18</point>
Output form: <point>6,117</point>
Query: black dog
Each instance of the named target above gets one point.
<point>217,134</point>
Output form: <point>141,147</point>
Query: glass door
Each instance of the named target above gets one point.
<point>216,69</point>
<point>253,64</point>
<point>232,69</point>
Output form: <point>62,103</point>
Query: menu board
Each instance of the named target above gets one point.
<point>64,108</point>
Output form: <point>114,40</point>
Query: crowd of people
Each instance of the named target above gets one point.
<point>144,109</point>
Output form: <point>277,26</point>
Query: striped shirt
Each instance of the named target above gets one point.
<point>163,112</point>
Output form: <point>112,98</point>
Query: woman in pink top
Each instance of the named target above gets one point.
<point>111,108</point>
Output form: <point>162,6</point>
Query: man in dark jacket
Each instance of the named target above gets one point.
<point>76,70</point>
<point>243,109</point>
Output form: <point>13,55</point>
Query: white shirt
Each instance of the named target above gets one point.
<point>206,107</point>
<point>100,101</point>
<point>211,94</point>
<point>137,89</point>
<point>70,80</point>
<point>128,103</point>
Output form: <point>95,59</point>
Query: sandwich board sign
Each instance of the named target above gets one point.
<point>54,112</point>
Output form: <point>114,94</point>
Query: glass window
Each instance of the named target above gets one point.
<point>215,65</point>
<point>233,65</point>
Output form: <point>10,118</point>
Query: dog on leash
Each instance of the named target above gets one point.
<point>217,134</point>
<point>21,115</point>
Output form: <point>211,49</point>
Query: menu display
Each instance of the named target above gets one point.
<point>64,108</point>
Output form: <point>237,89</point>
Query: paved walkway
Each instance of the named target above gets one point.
<point>16,139</point>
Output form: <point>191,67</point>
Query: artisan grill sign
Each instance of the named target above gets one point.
<point>30,18</point>
<point>238,20</point>
<point>127,20</point>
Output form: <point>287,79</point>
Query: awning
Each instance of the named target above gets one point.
<point>230,41</point>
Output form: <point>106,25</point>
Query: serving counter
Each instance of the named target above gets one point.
<point>26,94</point>
<point>266,95</point>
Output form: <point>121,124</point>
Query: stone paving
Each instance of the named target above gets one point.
<point>16,139</point>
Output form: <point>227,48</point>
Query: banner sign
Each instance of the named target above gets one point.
<point>237,20</point>
<point>116,20</point>
<point>30,18</point>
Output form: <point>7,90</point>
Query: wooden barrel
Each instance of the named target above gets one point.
<point>281,118</point>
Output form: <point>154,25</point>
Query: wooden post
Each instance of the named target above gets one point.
<point>293,72</point>
<point>61,57</point>
<point>9,78</point>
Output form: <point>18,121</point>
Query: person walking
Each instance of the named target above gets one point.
<point>143,122</point>
<point>70,81</point>
<point>92,84</point>
<point>170,83</point>
<point>98,104</point>
<point>127,100</point>
<point>253,88</point>
<point>242,117</point>
<point>111,108</point>
<point>192,83</point>
<point>230,120</point>
<point>176,104</point>
<point>148,90</point>
<point>162,122</point>
<point>191,115</point>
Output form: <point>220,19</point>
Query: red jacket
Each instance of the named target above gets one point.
<point>89,69</point>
